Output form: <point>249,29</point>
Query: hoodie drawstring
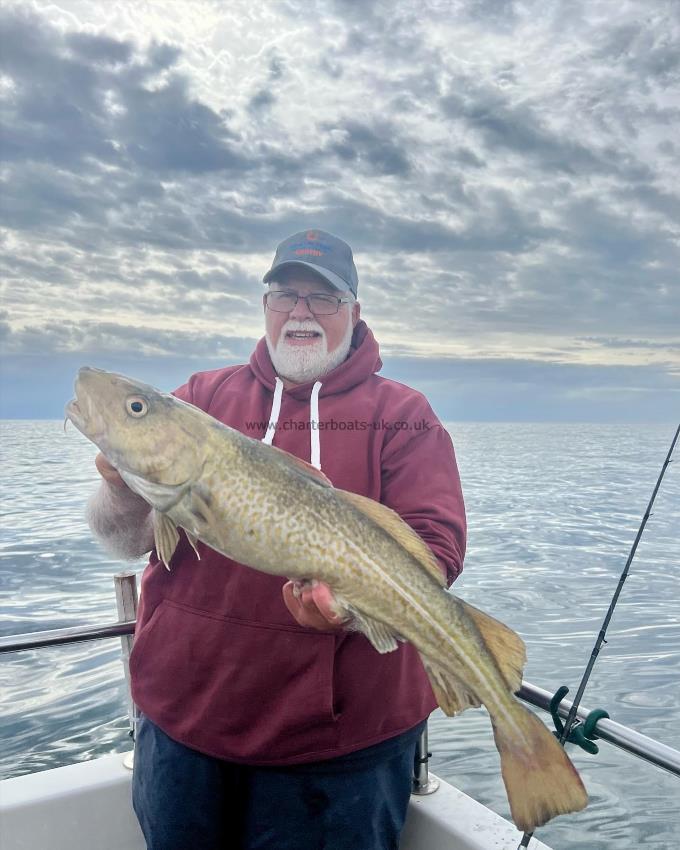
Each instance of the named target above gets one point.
<point>315,442</point>
<point>274,415</point>
<point>315,448</point>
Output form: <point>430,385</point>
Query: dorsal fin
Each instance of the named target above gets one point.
<point>394,525</point>
<point>304,467</point>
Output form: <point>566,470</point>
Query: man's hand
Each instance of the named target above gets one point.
<point>108,472</point>
<point>312,605</point>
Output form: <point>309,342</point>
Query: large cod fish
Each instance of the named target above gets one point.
<point>223,488</point>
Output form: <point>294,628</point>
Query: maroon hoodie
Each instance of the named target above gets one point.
<point>218,661</point>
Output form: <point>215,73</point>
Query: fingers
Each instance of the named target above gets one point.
<point>312,606</point>
<point>322,598</point>
<point>108,472</point>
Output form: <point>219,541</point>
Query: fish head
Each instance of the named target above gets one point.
<point>144,433</point>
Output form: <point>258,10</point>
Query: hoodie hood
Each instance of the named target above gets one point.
<point>363,360</point>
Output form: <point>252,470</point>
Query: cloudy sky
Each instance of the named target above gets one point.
<point>508,174</point>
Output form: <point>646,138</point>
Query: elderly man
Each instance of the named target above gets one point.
<point>266,722</point>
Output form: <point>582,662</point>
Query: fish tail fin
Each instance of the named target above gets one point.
<point>540,780</point>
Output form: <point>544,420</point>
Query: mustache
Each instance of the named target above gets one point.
<point>295,325</point>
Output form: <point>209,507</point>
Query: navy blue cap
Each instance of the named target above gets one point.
<point>322,252</point>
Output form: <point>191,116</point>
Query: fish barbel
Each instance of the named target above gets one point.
<point>266,509</point>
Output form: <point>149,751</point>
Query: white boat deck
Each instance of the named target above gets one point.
<point>88,805</point>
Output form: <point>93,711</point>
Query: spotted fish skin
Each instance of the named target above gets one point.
<point>271,511</point>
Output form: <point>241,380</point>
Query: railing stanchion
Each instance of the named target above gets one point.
<point>422,783</point>
<point>126,602</point>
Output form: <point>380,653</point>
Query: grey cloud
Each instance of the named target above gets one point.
<point>233,281</point>
<point>504,122</point>
<point>616,342</point>
<point>519,390</point>
<point>596,228</point>
<point>115,133</point>
<point>373,28</point>
<point>371,147</point>
<point>161,56</point>
<point>5,329</point>
<point>499,14</point>
<point>642,50</point>
<point>99,49</point>
<point>592,286</point>
<point>103,284</point>
<point>277,67</point>
<point>518,128</point>
<point>332,67</point>
<point>41,197</point>
<point>67,110</point>
<point>13,268</point>
<point>165,129</point>
<point>263,99</point>
<point>364,10</point>
<point>38,196</point>
<point>109,338</point>
<point>356,41</point>
<point>564,285</point>
<point>470,212</point>
<point>656,199</point>
<point>466,157</point>
<point>501,226</point>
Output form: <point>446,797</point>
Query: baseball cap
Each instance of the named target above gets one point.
<point>322,252</point>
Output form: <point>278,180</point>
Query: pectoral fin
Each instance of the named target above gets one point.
<point>202,515</point>
<point>166,537</point>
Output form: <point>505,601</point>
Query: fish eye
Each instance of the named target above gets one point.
<point>136,405</point>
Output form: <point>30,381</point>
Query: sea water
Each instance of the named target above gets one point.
<point>553,511</point>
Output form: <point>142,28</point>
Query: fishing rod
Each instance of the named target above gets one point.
<point>571,717</point>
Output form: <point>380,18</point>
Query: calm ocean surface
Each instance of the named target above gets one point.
<point>553,511</point>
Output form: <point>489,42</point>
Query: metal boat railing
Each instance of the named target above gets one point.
<point>60,637</point>
<point>609,730</point>
<point>614,733</point>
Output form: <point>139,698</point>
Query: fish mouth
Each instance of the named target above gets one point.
<point>73,412</point>
<point>84,418</point>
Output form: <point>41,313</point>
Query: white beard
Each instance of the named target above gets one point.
<point>303,363</point>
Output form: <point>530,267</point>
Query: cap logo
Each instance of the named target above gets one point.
<point>309,251</point>
<point>312,235</point>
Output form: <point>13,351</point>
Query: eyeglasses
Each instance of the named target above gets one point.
<point>318,303</point>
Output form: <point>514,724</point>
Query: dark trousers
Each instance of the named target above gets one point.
<point>185,800</point>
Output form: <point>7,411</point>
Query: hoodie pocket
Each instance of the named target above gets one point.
<point>234,688</point>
